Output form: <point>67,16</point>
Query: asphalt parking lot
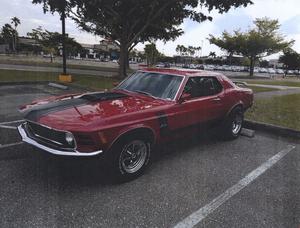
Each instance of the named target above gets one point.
<point>200,181</point>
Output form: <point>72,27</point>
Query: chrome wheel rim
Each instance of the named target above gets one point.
<point>133,156</point>
<point>237,123</point>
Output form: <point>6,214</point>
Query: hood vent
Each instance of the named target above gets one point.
<point>102,96</point>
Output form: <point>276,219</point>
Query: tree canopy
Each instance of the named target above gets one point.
<point>7,35</point>
<point>290,59</point>
<point>15,21</point>
<point>52,41</point>
<point>189,50</point>
<point>128,22</point>
<point>261,41</point>
<point>151,54</point>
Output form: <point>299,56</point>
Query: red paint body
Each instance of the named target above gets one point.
<point>104,122</point>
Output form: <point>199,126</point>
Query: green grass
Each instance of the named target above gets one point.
<point>54,64</point>
<point>93,82</point>
<point>280,110</point>
<point>295,83</point>
<point>257,89</point>
<point>69,66</point>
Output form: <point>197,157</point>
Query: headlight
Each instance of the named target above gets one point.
<point>69,138</point>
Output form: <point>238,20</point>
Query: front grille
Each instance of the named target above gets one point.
<point>48,136</point>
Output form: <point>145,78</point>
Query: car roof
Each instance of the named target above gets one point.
<point>181,72</point>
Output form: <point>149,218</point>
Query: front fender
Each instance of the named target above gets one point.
<point>129,129</point>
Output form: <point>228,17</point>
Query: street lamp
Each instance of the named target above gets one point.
<point>64,77</point>
<point>201,50</point>
<point>63,23</point>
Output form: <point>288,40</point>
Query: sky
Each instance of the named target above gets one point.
<point>195,34</point>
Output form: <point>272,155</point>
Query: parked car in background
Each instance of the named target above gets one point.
<point>200,67</point>
<point>279,71</point>
<point>271,71</point>
<point>263,70</point>
<point>160,65</point>
<point>150,107</point>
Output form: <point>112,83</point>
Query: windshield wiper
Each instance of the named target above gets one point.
<point>144,93</point>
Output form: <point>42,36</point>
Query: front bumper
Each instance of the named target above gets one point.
<point>27,139</point>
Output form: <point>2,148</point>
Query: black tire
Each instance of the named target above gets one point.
<point>130,157</point>
<point>233,124</point>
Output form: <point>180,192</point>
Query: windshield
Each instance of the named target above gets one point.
<point>153,84</point>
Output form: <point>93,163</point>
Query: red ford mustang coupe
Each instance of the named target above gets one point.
<point>149,107</point>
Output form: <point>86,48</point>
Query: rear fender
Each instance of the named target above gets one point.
<point>239,104</point>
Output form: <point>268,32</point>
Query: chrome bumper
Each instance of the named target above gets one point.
<point>30,141</point>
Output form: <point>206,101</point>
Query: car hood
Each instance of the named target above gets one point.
<point>78,112</point>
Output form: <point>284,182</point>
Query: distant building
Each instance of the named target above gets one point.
<point>275,63</point>
<point>28,41</point>
<point>104,50</point>
<point>107,45</point>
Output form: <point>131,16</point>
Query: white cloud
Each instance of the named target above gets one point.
<point>195,37</point>
<point>275,9</point>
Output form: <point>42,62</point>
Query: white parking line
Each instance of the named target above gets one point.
<point>11,122</point>
<point>203,212</point>
<point>7,127</point>
<point>10,145</point>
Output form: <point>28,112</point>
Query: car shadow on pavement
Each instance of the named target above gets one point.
<point>87,172</point>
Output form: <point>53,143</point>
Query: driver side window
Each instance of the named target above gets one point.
<point>202,86</point>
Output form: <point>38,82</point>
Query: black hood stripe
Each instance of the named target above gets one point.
<point>37,112</point>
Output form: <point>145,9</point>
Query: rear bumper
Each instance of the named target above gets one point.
<point>27,139</point>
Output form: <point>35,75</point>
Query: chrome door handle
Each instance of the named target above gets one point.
<point>217,99</point>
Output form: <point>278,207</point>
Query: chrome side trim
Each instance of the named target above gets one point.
<point>74,153</point>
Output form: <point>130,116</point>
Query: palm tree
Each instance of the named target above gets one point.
<point>212,54</point>
<point>15,21</point>
<point>197,49</point>
<point>179,49</point>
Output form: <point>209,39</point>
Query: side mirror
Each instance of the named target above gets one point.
<point>115,84</point>
<point>184,97</point>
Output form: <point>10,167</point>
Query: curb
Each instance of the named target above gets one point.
<point>282,131</point>
<point>80,87</point>
<point>58,86</point>
<point>25,83</point>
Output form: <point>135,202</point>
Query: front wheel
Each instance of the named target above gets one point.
<point>233,124</point>
<point>130,158</point>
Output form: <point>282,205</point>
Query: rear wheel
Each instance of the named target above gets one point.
<point>233,124</point>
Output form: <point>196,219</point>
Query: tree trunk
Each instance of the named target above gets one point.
<point>13,43</point>
<point>252,64</point>
<point>230,59</point>
<point>127,59</point>
<point>123,61</point>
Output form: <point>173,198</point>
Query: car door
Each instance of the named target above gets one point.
<point>204,104</point>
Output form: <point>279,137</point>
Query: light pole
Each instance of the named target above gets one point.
<point>63,22</point>
<point>64,77</point>
<point>201,49</point>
